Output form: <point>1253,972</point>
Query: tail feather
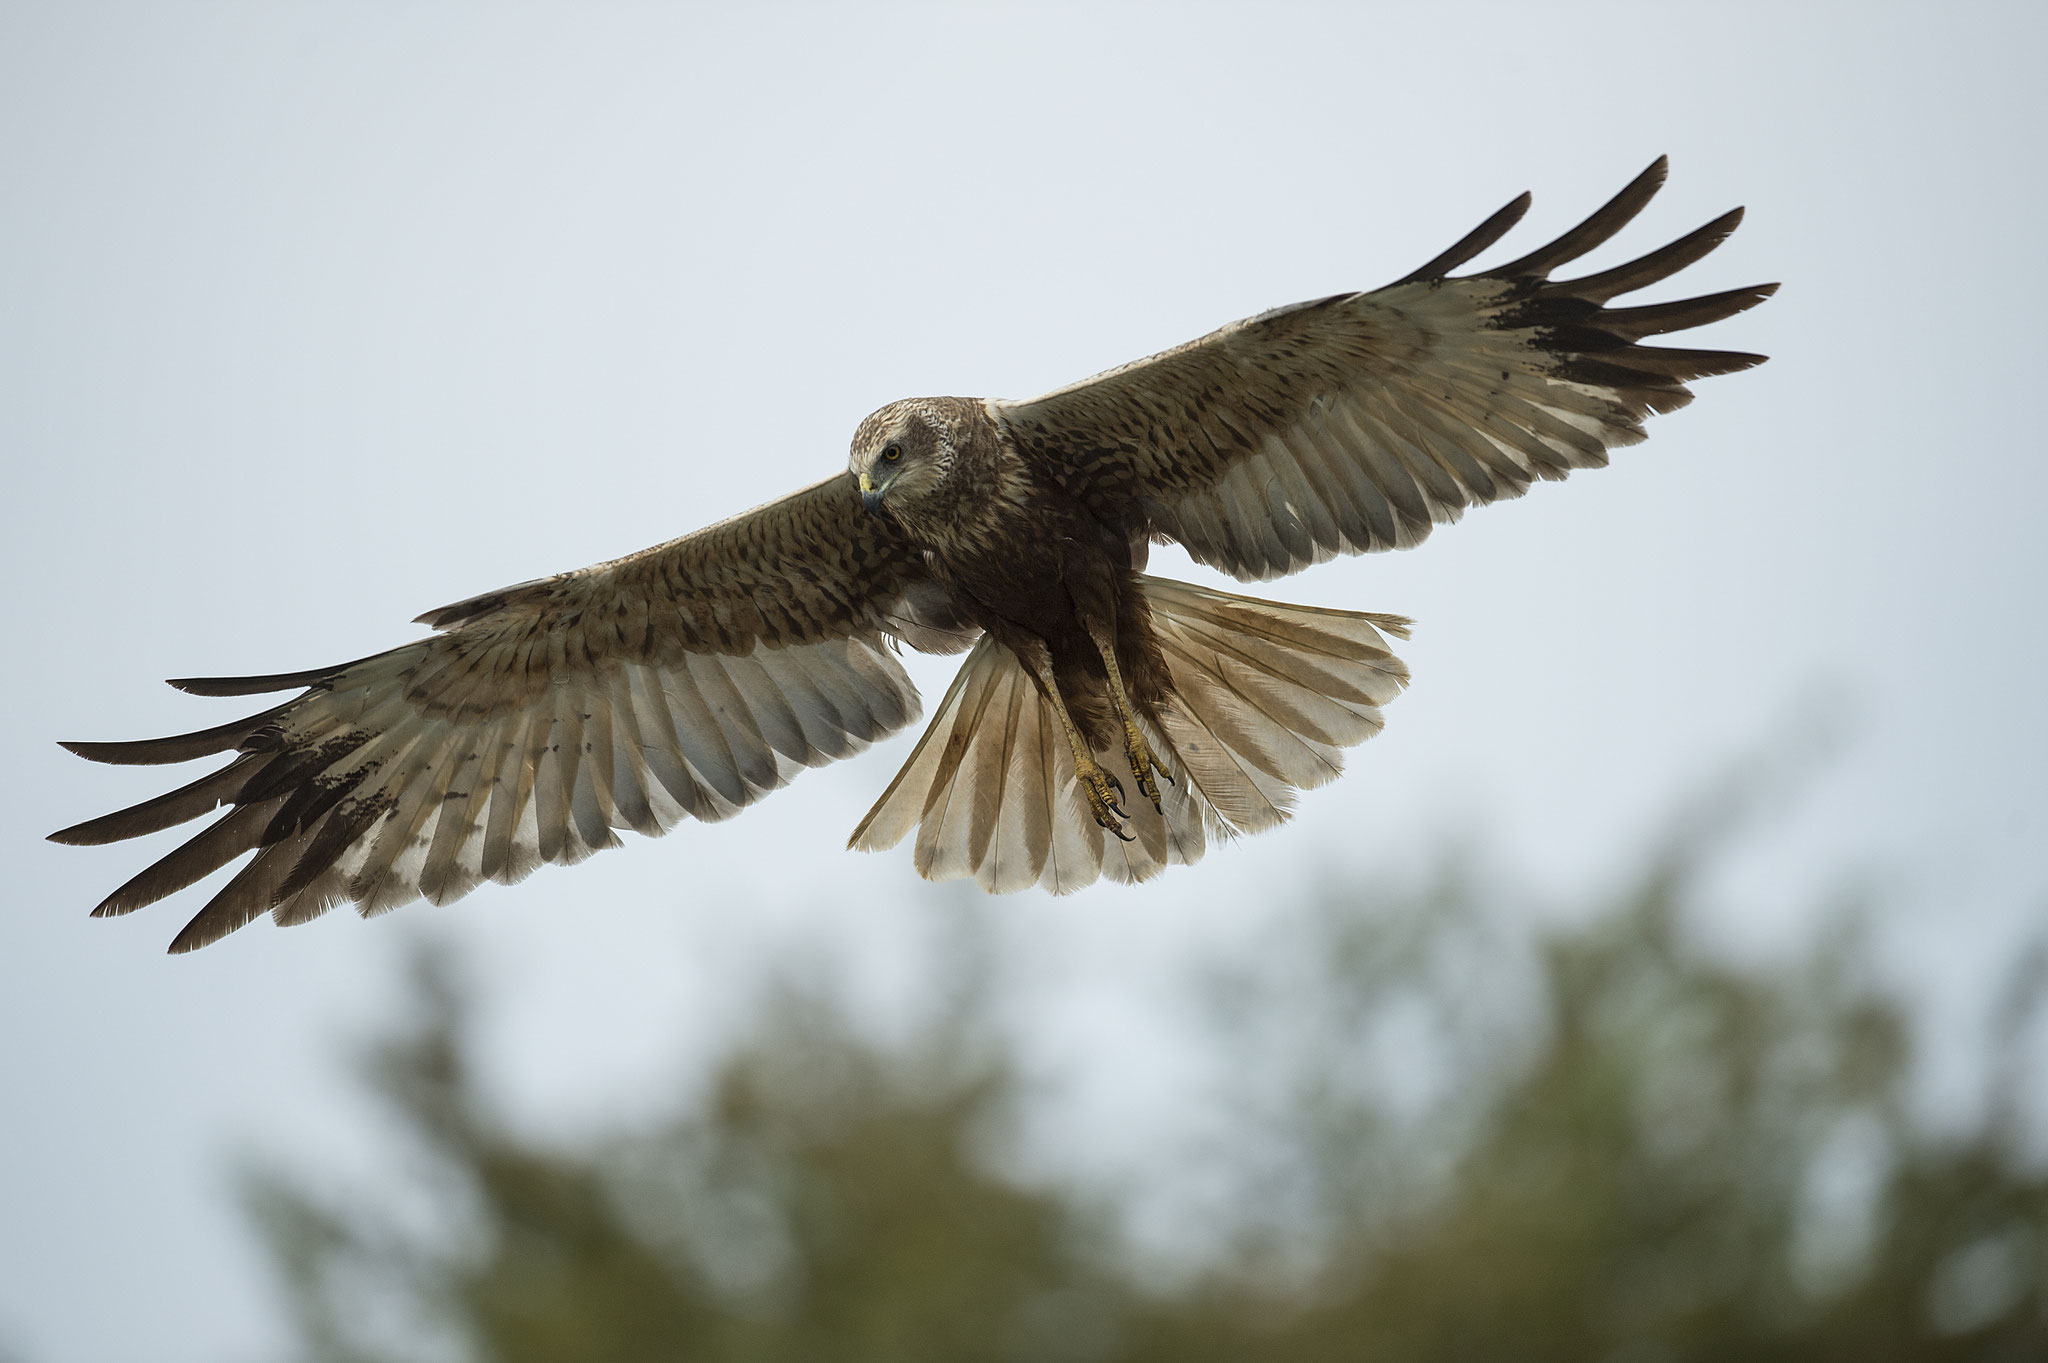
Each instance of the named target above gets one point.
<point>1265,698</point>
<point>969,784</point>
<point>1022,835</point>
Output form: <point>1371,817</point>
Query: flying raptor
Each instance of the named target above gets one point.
<point>1105,722</point>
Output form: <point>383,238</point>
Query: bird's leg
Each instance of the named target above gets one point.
<point>1136,750</point>
<point>1096,783</point>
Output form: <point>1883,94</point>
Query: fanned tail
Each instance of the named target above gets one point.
<point>1265,699</point>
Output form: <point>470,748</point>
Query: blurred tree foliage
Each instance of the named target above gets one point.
<point>1614,1147</point>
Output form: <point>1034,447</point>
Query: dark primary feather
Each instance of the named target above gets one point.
<point>150,752</point>
<point>1476,240</point>
<point>256,686</point>
<point>1608,219</point>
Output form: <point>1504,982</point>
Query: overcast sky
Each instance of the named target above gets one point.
<point>313,317</point>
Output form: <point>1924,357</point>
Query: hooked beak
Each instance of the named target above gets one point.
<point>870,496</point>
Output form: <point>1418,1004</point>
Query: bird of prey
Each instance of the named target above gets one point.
<point>1104,723</point>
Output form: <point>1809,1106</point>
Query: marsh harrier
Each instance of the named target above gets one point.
<point>687,681</point>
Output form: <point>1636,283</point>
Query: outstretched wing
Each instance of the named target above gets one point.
<point>682,682</point>
<point>1359,421</point>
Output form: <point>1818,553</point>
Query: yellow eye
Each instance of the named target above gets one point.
<point>892,454</point>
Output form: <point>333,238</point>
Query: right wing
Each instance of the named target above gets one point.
<point>682,682</point>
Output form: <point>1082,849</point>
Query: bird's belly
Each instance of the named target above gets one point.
<point>1026,589</point>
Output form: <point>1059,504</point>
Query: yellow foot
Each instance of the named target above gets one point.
<point>1105,795</point>
<point>1143,764</point>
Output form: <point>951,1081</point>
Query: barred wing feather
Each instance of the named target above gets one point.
<point>1358,422</point>
<point>681,683</point>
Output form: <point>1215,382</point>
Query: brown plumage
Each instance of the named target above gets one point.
<point>688,680</point>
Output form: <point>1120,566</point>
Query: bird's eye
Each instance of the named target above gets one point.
<point>892,454</point>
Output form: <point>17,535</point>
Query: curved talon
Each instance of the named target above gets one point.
<point>1120,832</point>
<point>1143,764</point>
<point>1103,791</point>
<point>1147,787</point>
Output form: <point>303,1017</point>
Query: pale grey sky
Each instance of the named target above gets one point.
<point>313,317</point>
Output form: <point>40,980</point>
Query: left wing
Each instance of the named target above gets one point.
<point>1358,422</point>
<point>682,682</point>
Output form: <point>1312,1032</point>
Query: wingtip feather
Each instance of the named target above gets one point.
<point>1473,242</point>
<point>244,686</point>
<point>1661,263</point>
<point>1597,227</point>
<point>194,935</point>
<point>157,752</point>
<point>271,681</point>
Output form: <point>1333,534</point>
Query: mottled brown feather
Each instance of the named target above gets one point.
<point>694,677</point>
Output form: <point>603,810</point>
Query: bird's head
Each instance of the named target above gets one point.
<point>903,452</point>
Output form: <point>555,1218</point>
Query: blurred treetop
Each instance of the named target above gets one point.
<point>1618,1150</point>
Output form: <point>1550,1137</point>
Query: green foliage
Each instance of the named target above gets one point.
<point>820,1206</point>
<point>1622,1149</point>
